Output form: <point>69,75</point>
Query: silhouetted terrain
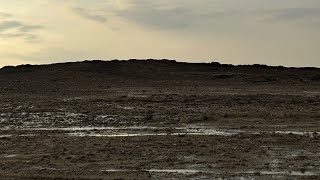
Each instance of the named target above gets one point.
<point>104,74</point>
<point>159,120</point>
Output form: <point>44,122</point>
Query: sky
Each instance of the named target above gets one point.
<point>272,32</point>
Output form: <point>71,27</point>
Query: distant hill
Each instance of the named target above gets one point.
<point>98,73</point>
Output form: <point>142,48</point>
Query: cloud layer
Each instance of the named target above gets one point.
<point>241,32</point>
<point>12,28</point>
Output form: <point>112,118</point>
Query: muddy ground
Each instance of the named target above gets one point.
<point>238,124</point>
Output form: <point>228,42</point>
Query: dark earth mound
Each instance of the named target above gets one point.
<point>104,74</point>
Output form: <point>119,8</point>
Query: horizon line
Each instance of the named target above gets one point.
<point>217,63</point>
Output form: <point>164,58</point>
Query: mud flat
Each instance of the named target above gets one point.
<point>94,120</point>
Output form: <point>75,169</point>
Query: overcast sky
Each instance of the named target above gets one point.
<point>274,32</point>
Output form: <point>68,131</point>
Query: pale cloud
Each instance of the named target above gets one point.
<point>7,25</point>
<point>156,14</point>
<point>288,15</point>
<point>4,15</point>
<point>17,26</point>
<point>90,15</point>
<point>161,15</point>
<point>213,15</point>
<point>10,27</point>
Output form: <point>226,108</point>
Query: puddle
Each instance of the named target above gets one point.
<point>5,136</point>
<point>287,173</point>
<point>178,131</point>
<point>74,99</point>
<point>19,135</point>
<point>207,131</point>
<point>89,128</point>
<point>82,134</point>
<point>44,168</point>
<point>149,131</point>
<point>125,107</point>
<point>119,170</point>
<point>194,171</point>
<point>28,135</point>
<point>178,171</point>
<point>10,156</point>
<point>297,132</point>
<point>300,133</point>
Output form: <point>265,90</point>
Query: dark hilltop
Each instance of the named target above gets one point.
<point>119,73</point>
